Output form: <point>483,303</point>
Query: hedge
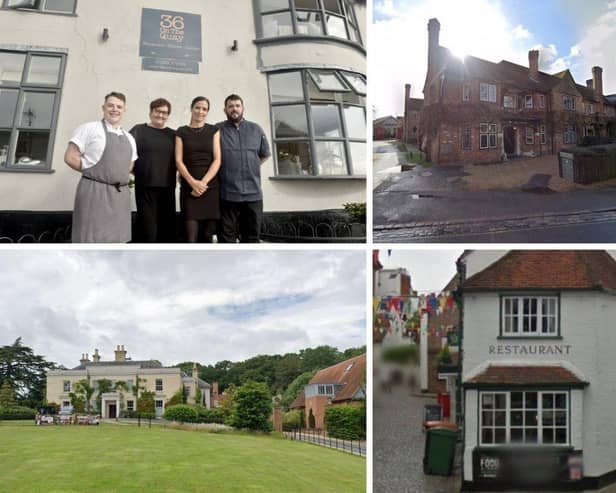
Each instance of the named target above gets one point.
<point>17,412</point>
<point>400,355</point>
<point>181,413</point>
<point>293,420</point>
<point>137,414</point>
<point>214,415</point>
<point>346,422</point>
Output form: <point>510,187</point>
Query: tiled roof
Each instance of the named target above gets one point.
<point>299,402</point>
<point>351,373</point>
<point>547,269</point>
<point>142,364</point>
<point>525,375</point>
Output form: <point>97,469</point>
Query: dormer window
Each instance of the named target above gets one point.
<point>326,389</point>
<point>529,316</point>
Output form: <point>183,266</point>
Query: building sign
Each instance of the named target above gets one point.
<point>169,35</point>
<point>526,349</point>
<point>170,65</point>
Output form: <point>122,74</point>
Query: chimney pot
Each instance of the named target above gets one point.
<point>597,81</point>
<point>533,64</point>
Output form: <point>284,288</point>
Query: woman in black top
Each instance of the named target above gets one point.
<point>197,157</point>
<point>155,175</point>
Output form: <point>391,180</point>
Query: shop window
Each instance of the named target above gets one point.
<point>530,316</point>
<point>487,136</point>
<point>524,417</point>
<point>319,122</point>
<point>51,6</point>
<point>335,18</point>
<point>30,86</point>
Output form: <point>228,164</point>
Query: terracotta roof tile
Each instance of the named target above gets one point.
<point>352,377</point>
<point>299,402</point>
<point>547,269</point>
<point>525,375</point>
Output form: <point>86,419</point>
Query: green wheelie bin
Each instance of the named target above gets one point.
<point>440,450</point>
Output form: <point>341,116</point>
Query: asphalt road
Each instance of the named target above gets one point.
<point>428,205</point>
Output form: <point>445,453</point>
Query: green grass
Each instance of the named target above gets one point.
<point>126,459</point>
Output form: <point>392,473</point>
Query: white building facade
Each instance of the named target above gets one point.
<point>538,370</point>
<point>299,65</point>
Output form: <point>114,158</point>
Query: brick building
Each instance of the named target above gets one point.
<point>387,127</point>
<point>412,111</point>
<point>476,110</point>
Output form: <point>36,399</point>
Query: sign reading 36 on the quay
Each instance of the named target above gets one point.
<point>166,34</point>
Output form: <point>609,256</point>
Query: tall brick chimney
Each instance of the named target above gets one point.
<point>120,353</point>
<point>96,357</point>
<point>434,29</point>
<point>597,81</point>
<point>533,64</point>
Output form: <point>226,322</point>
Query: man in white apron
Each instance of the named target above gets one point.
<point>104,153</point>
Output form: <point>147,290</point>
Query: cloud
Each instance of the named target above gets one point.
<point>519,32</point>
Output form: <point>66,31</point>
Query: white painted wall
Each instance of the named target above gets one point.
<point>388,281</point>
<point>94,68</point>
<point>587,324</point>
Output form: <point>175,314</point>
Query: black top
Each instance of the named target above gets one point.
<point>155,166</point>
<point>198,151</point>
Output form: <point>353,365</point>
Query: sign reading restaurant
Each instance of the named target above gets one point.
<point>170,41</point>
<point>524,349</point>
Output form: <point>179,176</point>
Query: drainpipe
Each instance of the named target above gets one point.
<point>459,298</point>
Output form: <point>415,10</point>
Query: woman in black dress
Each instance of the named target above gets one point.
<point>197,157</point>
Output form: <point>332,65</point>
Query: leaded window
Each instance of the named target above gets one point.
<point>30,87</point>
<point>319,122</point>
<point>334,18</point>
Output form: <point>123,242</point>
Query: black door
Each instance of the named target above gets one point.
<point>509,140</point>
<point>112,410</point>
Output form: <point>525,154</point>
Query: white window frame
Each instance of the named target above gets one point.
<point>130,405</point>
<point>513,316</point>
<point>530,135</point>
<point>66,385</point>
<point>528,101</point>
<point>487,92</point>
<point>466,92</point>
<point>542,134</point>
<point>512,98</point>
<point>569,103</point>
<point>326,389</point>
<point>540,418</point>
<point>541,101</point>
<point>156,385</point>
<point>569,135</point>
<point>487,136</point>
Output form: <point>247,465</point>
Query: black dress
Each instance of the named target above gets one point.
<point>198,153</point>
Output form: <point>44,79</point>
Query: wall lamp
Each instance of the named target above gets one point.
<point>234,45</point>
<point>105,34</point>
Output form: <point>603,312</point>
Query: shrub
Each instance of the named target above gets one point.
<point>145,403</point>
<point>346,422</point>
<point>444,356</point>
<point>214,415</point>
<point>17,412</point>
<point>137,414</point>
<point>357,211</point>
<point>178,398</point>
<point>311,421</point>
<point>181,413</point>
<point>401,355</point>
<point>252,407</point>
<point>293,420</point>
<point>7,395</point>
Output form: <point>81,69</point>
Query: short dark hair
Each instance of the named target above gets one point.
<point>114,94</point>
<point>159,103</point>
<point>233,97</point>
<point>198,99</point>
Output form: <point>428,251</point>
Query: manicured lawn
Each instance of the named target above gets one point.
<point>125,459</point>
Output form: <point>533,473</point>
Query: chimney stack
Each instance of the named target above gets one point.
<point>195,371</point>
<point>434,29</point>
<point>215,390</point>
<point>96,357</point>
<point>597,81</point>
<point>533,64</point>
<point>589,83</point>
<point>84,358</point>
<point>120,353</point>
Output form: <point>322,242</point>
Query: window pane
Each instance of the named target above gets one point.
<point>358,157</point>
<point>267,5</point>
<point>31,148</point>
<point>487,436</point>
<point>309,23</point>
<point>531,400</point>
<point>560,418</point>
<point>357,82</point>
<point>487,401</point>
<point>492,140</point>
<point>561,435</point>
<point>547,418</point>
<point>335,27</point>
<point>501,401</point>
<point>11,66</point>
<point>294,158</point>
<point>290,121</point>
<point>332,6</point>
<point>354,34</point>
<point>36,3</point>
<point>4,146</point>
<point>286,86</point>
<point>355,120</point>
<point>60,6</point>
<point>277,25</point>
<point>8,103</point>
<point>307,4</point>
<point>517,418</point>
<point>500,418</point>
<point>517,400</point>
<point>561,401</point>
<point>530,418</point>
<point>327,81</point>
<point>487,418</point>
<point>516,435</point>
<point>37,110</point>
<point>531,435</point>
<point>547,401</point>
<point>330,158</point>
<point>548,435</point>
<point>326,120</point>
<point>499,435</point>
<point>44,70</point>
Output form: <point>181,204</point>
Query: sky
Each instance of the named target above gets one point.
<point>185,305</point>
<point>569,34</point>
<point>430,270</point>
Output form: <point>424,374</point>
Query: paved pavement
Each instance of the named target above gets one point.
<point>433,204</point>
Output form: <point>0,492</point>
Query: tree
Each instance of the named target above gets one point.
<point>253,407</point>
<point>286,370</point>
<point>83,389</point>
<point>7,395</point>
<point>353,351</point>
<point>226,401</point>
<point>319,357</point>
<point>25,371</point>
<point>145,402</point>
<point>104,385</point>
<point>295,387</point>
